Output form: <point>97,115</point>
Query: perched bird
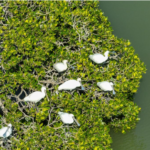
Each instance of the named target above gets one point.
<point>67,118</point>
<point>60,67</point>
<point>70,85</point>
<point>106,86</point>
<point>99,58</point>
<point>36,96</point>
<point>6,131</point>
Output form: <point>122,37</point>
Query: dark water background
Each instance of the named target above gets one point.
<point>131,20</point>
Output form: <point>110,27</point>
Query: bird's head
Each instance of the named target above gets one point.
<point>65,61</point>
<point>79,79</point>
<point>43,89</point>
<point>106,53</point>
<point>10,125</point>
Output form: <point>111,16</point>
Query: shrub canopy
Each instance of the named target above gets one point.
<point>35,35</point>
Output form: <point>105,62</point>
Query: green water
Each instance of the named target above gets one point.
<point>131,20</point>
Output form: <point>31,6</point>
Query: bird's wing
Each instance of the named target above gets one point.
<point>66,118</point>
<point>2,131</point>
<point>106,86</point>
<point>34,96</point>
<point>63,117</point>
<point>71,84</point>
<point>8,133</point>
<point>58,65</point>
<point>98,56</point>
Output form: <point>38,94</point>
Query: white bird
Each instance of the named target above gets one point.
<point>70,85</point>
<point>106,86</point>
<point>60,67</point>
<point>6,131</point>
<point>36,96</point>
<point>67,118</point>
<point>99,58</point>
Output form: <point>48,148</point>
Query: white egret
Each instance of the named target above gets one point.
<point>67,118</point>
<point>36,96</point>
<point>99,58</point>
<point>6,131</point>
<point>70,85</point>
<point>106,86</point>
<point>60,67</point>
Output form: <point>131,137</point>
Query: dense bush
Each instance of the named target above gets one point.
<point>35,35</point>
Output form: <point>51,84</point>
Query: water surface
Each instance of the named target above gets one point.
<point>131,20</point>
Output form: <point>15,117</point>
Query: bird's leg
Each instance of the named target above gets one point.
<point>63,77</point>
<point>67,133</point>
<point>6,143</point>
<point>106,94</point>
<point>35,107</point>
<point>67,129</point>
<point>7,146</point>
<point>104,63</point>
<point>60,74</point>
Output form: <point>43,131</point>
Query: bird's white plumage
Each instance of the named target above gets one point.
<point>99,58</point>
<point>70,84</point>
<point>60,67</point>
<point>106,86</point>
<point>6,131</point>
<point>66,117</point>
<point>36,96</point>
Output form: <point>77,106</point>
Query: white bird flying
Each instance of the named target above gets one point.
<point>67,118</point>
<point>6,131</point>
<point>36,96</point>
<point>99,58</point>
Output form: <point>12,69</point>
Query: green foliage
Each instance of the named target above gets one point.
<point>34,36</point>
